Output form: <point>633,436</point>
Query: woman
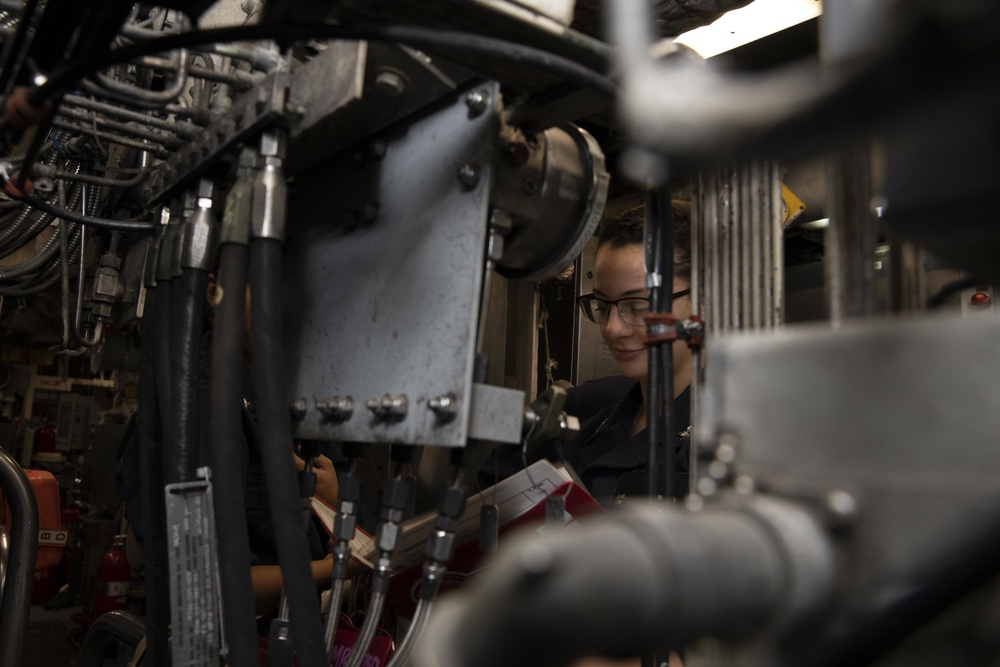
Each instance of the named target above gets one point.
<point>611,449</point>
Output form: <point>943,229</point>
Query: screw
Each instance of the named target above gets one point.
<point>529,187</point>
<point>468,175</point>
<point>298,408</point>
<point>477,101</point>
<point>444,407</point>
<point>390,83</point>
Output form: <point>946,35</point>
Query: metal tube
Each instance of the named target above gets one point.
<point>181,129</point>
<point>145,98</point>
<point>168,140</point>
<point>19,572</point>
<point>159,151</point>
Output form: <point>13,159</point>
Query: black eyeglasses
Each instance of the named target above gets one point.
<point>632,308</point>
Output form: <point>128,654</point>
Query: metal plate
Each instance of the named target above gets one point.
<point>194,592</point>
<point>383,275</point>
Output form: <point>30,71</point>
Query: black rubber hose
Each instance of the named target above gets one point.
<point>229,480</point>
<point>8,74</point>
<point>16,602</point>
<point>660,417</point>
<point>188,317</point>
<point>164,369</point>
<point>151,481</point>
<point>276,451</point>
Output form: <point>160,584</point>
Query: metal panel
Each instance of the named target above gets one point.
<point>383,275</point>
<point>901,416</point>
<point>497,414</point>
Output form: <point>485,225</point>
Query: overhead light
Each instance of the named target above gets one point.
<point>822,223</point>
<point>747,24</point>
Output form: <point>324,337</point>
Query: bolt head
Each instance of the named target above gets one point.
<point>477,101</point>
<point>468,175</point>
<point>390,83</point>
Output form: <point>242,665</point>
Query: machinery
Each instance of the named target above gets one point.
<point>357,182</point>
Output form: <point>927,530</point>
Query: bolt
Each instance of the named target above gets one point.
<point>529,186</point>
<point>390,83</point>
<point>477,101</point>
<point>468,175</point>
<point>444,407</point>
<point>298,408</point>
<point>842,506</point>
<point>516,153</point>
<point>388,407</point>
<point>336,408</point>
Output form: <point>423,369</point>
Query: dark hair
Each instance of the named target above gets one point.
<point>627,229</point>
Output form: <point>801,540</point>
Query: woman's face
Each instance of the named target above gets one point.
<point>621,273</point>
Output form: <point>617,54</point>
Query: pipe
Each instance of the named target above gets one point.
<point>143,98</point>
<point>109,631</point>
<point>19,572</point>
<point>182,130</point>
<point>769,562</point>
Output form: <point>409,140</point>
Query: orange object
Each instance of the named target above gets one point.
<point>51,536</point>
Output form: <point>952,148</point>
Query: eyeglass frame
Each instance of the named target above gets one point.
<point>579,302</point>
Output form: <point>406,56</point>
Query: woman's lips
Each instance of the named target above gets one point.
<point>626,355</point>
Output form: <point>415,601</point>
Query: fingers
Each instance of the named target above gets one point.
<point>300,464</point>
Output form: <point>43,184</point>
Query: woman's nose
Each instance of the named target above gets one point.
<point>616,326</point>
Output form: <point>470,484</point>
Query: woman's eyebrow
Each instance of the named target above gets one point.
<point>627,293</point>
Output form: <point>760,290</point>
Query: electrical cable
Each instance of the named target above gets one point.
<point>64,78</point>
<point>27,235</point>
<point>15,605</point>
<point>99,223</point>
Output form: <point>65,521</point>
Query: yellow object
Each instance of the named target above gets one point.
<point>793,205</point>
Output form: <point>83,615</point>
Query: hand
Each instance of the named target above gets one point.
<point>327,487</point>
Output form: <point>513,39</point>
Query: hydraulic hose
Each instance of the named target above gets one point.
<point>16,602</point>
<point>229,480</point>
<point>276,451</point>
<point>151,481</point>
<point>660,417</point>
<point>418,625</point>
<point>188,307</point>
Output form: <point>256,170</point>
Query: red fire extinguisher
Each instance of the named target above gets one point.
<point>113,576</point>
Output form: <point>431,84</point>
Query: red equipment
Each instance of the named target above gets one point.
<point>113,576</point>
